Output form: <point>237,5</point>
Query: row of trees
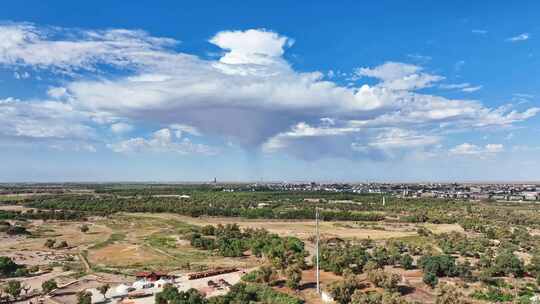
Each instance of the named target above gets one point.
<point>34,214</point>
<point>218,207</point>
<point>240,293</point>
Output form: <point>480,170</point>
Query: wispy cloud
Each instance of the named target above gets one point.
<point>464,87</point>
<point>479,32</point>
<point>520,37</point>
<point>471,89</point>
<point>420,58</point>
<point>467,149</point>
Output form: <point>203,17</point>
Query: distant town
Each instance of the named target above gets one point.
<point>468,191</point>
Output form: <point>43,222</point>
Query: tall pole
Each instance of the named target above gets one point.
<point>317,250</point>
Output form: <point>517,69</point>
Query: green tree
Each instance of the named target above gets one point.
<point>7,266</point>
<point>406,261</point>
<point>383,279</point>
<point>208,230</point>
<point>342,291</point>
<point>447,294</point>
<point>294,276</point>
<point>13,288</point>
<point>360,297</point>
<point>440,265</point>
<point>430,279</point>
<point>507,263</point>
<point>84,297</point>
<point>171,295</point>
<point>49,286</point>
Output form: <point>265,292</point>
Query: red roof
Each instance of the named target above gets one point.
<point>151,273</point>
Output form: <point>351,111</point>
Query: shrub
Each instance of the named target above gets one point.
<point>49,286</point>
<point>383,279</point>
<point>84,228</point>
<point>441,265</point>
<point>507,263</point>
<point>208,230</point>
<point>406,261</point>
<point>49,243</point>
<point>430,279</point>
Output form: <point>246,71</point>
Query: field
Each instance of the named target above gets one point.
<point>486,251</point>
<point>126,242</point>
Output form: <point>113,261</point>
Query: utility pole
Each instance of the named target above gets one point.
<point>317,248</point>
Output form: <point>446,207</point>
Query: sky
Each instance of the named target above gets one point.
<point>348,91</point>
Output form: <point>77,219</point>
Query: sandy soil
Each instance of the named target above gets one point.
<point>301,229</point>
<point>122,254</point>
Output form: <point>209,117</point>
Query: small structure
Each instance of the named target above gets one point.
<point>334,241</point>
<point>210,273</point>
<point>162,282</point>
<point>151,276</point>
<point>122,290</point>
<point>142,284</point>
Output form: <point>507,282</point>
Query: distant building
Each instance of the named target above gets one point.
<point>151,275</point>
<point>530,196</point>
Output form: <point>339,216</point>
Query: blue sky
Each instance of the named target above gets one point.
<point>304,90</point>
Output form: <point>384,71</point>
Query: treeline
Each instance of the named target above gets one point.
<point>294,205</point>
<point>64,215</point>
<point>196,208</point>
<point>240,293</point>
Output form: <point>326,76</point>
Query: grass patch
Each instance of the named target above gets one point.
<point>161,241</point>
<point>115,237</point>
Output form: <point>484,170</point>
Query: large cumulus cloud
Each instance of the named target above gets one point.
<point>250,95</point>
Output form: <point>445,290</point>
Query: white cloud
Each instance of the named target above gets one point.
<point>400,76</point>
<point>121,127</point>
<point>161,141</point>
<point>42,119</point>
<point>21,75</point>
<point>464,87</point>
<point>251,46</point>
<point>250,95</point>
<point>520,37</point>
<point>471,89</point>
<point>455,86</point>
<point>474,150</point>
<point>71,146</point>
<point>399,138</point>
<point>57,92</point>
<point>28,45</point>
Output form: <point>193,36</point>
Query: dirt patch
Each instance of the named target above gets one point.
<point>444,228</point>
<point>123,255</point>
<point>302,229</point>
